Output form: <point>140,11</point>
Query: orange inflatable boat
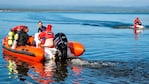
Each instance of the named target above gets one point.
<point>37,54</point>
<point>25,52</point>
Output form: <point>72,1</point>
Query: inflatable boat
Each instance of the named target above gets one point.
<point>137,27</point>
<point>66,49</point>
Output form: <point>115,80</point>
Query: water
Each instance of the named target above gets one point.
<point>114,53</point>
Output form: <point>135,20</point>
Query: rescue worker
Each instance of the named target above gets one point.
<point>21,36</point>
<point>47,43</point>
<point>12,35</point>
<point>47,37</point>
<point>40,29</point>
<point>137,21</point>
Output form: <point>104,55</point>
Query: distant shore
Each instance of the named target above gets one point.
<point>116,10</point>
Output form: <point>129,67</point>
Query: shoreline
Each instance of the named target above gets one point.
<point>108,10</point>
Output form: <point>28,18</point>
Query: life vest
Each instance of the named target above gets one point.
<point>49,35</point>
<point>49,38</point>
<point>10,38</point>
<point>46,35</point>
<point>16,36</point>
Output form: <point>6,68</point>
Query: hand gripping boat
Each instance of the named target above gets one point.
<point>66,49</point>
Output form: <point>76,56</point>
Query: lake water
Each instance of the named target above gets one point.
<point>114,54</point>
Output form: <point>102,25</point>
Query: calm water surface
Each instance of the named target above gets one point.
<point>114,53</point>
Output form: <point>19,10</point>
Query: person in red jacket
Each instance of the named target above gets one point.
<point>47,37</point>
<point>137,21</point>
<point>47,42</point>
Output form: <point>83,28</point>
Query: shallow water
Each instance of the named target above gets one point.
<point>114,53</point>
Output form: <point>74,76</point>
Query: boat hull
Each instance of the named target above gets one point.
<point>37,54</point>
<point>25,52</point>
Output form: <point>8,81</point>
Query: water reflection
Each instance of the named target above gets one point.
<point>43,73</point>
<point>76,73</point>
<point>16,69</point>
<point>61,71</point>
<point>137,32</point>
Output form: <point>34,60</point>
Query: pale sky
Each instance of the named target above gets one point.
<point>71,3</point>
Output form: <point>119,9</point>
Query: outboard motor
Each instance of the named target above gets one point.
<point>60,43</point>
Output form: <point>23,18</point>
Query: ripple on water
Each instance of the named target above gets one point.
<point>123,72</point>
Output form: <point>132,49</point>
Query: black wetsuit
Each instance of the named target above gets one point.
<point>42,29</point>
<point>22,39</point>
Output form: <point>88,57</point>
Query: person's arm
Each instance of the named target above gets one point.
<point>41,35</point>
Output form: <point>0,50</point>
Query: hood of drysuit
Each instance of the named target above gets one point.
<point>16,27</point>
<point>49,28</point>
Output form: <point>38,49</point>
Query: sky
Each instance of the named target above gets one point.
<point>46,4</point>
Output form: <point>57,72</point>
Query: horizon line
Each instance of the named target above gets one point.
<point>98,9</point>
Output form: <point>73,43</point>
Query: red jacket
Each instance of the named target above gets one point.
<point>46,34</point>
<point>137,20</point>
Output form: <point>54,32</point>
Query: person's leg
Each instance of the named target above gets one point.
<point>36,39</point>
